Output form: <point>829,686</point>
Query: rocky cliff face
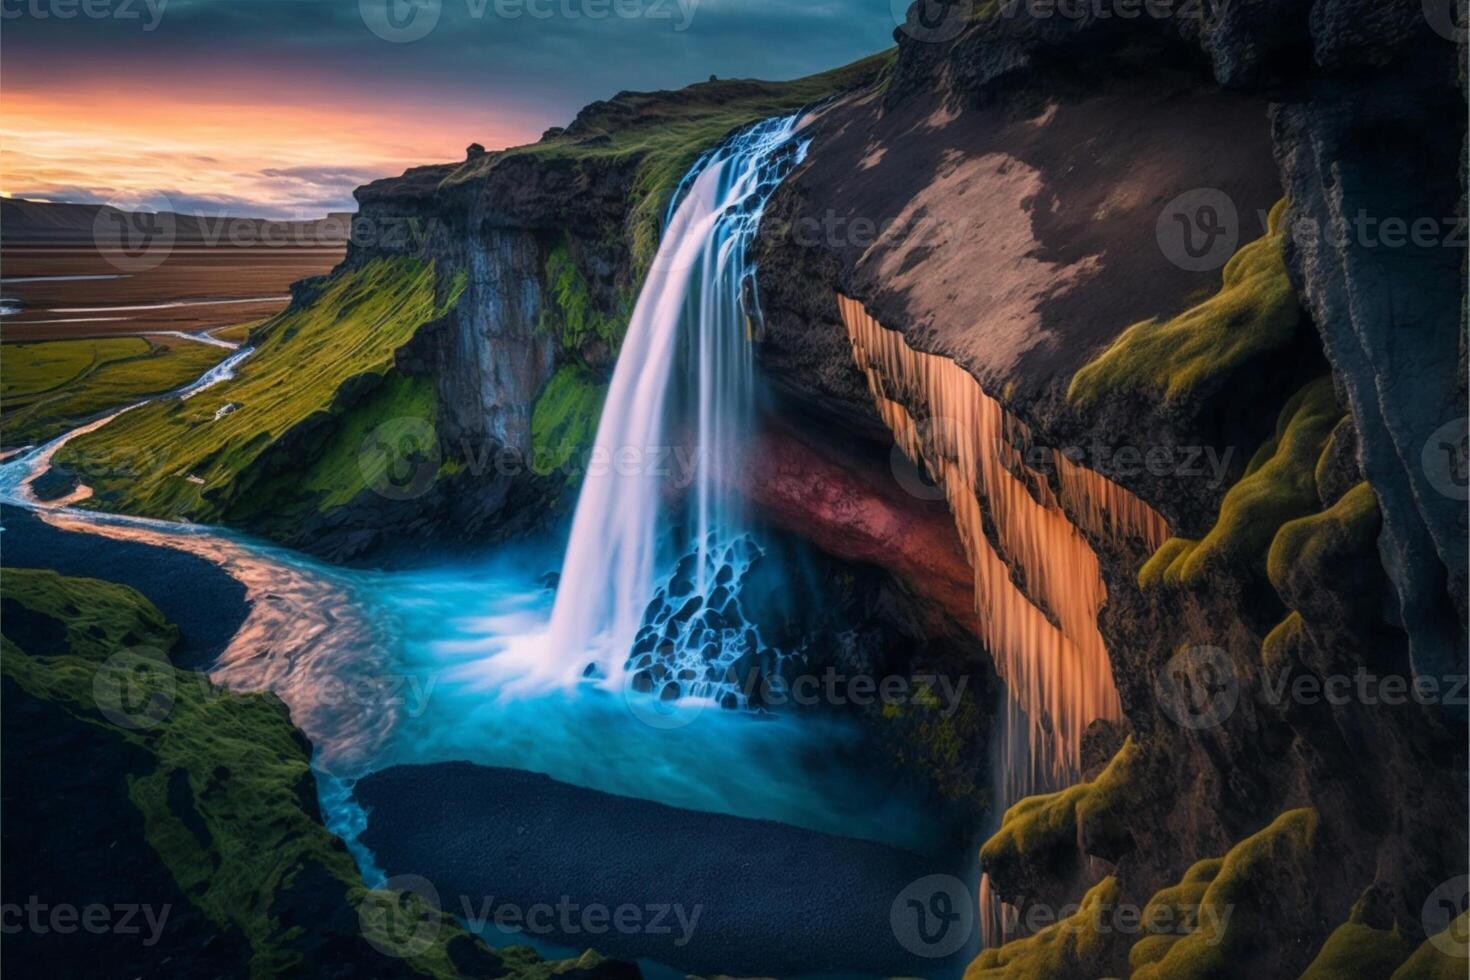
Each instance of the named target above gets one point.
<point>1035,198</point>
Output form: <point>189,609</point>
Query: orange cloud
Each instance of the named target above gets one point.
<point>249,147</point>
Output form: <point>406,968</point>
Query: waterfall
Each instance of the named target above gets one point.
<point>625,534</point>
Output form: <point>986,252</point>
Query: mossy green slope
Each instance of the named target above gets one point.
<point>1254,313</point>
<point>247,835</point>
<point>247,768</point>
<point>1279,486</point>
<point>284,435</point>
<point>52,386</point>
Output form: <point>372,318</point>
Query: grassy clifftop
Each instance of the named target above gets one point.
<point>660,134</point>
<point>284,437</point>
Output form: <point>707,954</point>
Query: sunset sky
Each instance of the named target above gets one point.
<point>281,107</point>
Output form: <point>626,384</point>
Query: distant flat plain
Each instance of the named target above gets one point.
<point>62,292</point>
<point>86,332</point>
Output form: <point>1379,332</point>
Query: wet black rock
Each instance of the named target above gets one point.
<point>688,609</point>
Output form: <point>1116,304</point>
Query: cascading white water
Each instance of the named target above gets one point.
<point>692,293</point>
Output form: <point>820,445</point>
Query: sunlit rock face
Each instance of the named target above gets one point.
<point>1038,586</point>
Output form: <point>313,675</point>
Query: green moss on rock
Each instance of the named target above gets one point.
<point>1279,485</point>
<point>1240,898</point>
<point>1441,957</point>
<point>1254,313</point>
<point>1044,831</point>
<point>569,314</point>
<point>564,419</point>
<point>1313,544</point>
<point>1070,948</point>
<point>1357,951</point>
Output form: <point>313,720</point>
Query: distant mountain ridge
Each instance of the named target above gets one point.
<point>26,222</point>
